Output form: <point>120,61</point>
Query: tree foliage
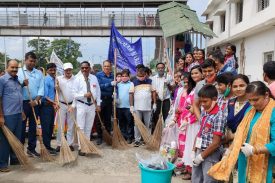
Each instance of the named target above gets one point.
<point>41,49</point>
<point>66,49</point>
<point>2,61</point>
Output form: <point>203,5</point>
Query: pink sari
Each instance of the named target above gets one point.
<point>184,115</point>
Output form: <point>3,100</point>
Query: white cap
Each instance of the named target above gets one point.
<point>67,66</point>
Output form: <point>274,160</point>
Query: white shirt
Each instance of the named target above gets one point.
<point>80,88</point>
<point>66,86</point>
<point>158,85</point>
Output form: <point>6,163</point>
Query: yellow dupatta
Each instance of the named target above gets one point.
<point>260,135</point>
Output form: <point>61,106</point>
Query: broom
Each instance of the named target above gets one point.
<point>105,134</point>
<point>44,154</point>
<point>86,145</point>
<point>118,140</point>
<point>17,148</point>
<point>155,141</point>
<point>144,132</point>
<point>65,156</point>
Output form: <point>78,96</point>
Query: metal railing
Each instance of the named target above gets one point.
<point>78,19</point>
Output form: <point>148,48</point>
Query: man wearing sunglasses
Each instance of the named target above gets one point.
<point>86,89</point>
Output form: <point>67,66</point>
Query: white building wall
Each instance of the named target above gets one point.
<point>255,47</point>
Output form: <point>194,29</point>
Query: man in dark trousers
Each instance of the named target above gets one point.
<point>48,107</point>
<point>36,87</point>
<point>11,108</point>
<point>106,83</point>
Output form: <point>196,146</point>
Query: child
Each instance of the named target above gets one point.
<point>126,123</point>
<point>224,88</point>
<point>206,151</point>
<point>141,94</point>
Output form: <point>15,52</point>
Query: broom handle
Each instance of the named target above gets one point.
<point>57,99</point>
<point>114,94</point>
<point>29,94</point>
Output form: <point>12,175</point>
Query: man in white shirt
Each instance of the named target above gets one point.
<point>66,97</point>
<point>162,84</point>
<point>86,86</point>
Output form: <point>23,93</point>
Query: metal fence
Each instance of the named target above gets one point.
<point>79,19</point>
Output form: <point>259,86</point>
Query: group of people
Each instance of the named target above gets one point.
<point>218,112</point>
<point>223,118</point>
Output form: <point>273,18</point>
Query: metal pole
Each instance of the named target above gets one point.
<point>5,52</point>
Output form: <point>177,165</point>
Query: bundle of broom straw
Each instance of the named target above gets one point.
<point>17,148</point>
<point>65,156</point>
<point>154,142</point>
<point>144,132</point>
<point>85,144</point>
<point>44,154</point>
<point>118,140</point>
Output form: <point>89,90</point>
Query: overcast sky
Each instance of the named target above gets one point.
<point>95,49</point>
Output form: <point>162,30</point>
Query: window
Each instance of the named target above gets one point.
<point>268,56</point>
<point>262,4</point>
<point>211,25</point>
<point>239,8</point>
<point>222,18</point>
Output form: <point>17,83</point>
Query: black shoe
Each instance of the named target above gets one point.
<point>14,162</point>
<point>72,148</point>
<point>136,144</point>
<point>81,153</point>
<point>99,141</point>
<point>52,151</point>
<point>129,141</point>
<point>57,149</point>
<point>33,153</point>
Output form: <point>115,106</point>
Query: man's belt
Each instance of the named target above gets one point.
<point>88,104</point>
<point>66,103</point>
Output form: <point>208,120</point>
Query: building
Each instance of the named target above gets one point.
<point>248,24</point>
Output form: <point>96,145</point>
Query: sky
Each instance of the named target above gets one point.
<point>93,49</point>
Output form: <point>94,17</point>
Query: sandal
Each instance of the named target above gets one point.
<point>187,176</point>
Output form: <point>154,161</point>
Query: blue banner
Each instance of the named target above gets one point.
<point>129,55</point>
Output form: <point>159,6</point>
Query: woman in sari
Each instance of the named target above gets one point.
<point>254,142</point>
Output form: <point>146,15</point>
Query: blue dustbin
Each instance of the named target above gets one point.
<point>149,175</point>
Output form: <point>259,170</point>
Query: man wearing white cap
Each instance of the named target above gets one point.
<point>66,97</point>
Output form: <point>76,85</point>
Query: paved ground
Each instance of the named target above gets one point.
<point>116,166</point>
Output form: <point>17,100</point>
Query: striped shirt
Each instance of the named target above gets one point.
<point>142,94</point>
<point>161,89</point>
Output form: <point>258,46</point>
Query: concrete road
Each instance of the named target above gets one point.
<point>115,166</point>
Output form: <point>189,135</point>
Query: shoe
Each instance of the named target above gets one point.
<point>33,153</point>
<point>52,151</point>
<point>14,162</point>
<point>71,147</point>
<point>5,169</point>
<point>136,144</point>
<point>57,149</point>
<point>81,153</point>
<point>99,141</point>
<point>129,141</point>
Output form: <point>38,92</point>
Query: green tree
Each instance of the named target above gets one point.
<point>2,61</point>
<point>152,64</point>
<point>67,50</point>
<point>41,49</point>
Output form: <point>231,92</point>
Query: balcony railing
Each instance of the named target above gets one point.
<point>78,19</point>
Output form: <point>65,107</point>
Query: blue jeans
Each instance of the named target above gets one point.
<point>126,123</point>
<point>13,122</point>
<point>32,125</point>
<point>47,123</point>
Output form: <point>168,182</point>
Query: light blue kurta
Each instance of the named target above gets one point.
<point>242,161</point>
